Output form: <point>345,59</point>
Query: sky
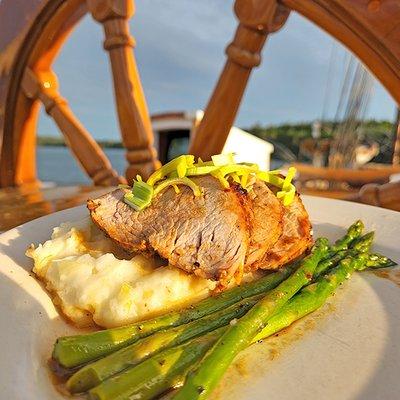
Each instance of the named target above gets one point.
<point>180,53</point>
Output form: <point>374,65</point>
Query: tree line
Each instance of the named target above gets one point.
<point>289,135</point>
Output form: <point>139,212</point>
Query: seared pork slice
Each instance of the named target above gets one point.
<point>266,222</point>
<point>296,237</point>
<point>206,235</point>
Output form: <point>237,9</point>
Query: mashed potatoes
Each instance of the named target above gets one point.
<point>91,280</point>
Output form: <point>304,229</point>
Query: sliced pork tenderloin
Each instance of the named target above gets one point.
<point>265,222</point>
<point>296,237</point>
<point>206,235</point>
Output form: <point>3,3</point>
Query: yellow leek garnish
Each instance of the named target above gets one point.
<point>140,197</point>
<point>288,190</point>
<point>201,170</point>
<point>287,196</point>
<point>220,176</point>
<point>235,177</point>
<point>178,164</point>
<point>289,177</point>
<point>223,159</point>
<point>239,169</point>
<point>176,188</point>
<point>243,180</point>
<point>201,163</point>
<point>178,181</point>
<point>223,166</point>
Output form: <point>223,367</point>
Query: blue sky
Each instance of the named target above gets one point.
<point>180,52</point>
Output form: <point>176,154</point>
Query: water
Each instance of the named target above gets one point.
<point>57,164</point>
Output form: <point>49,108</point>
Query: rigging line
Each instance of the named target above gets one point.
<point>363,94</point>
<point>369,83</point>
<point>352,111</point>
<point>356,94</point>
<point>365,100</point>
<point>343,133</point>
<point>348,75</point>
<point>357,102</point>
<point>343,92</point>
<point>328,86</point>
<point>349,110</point>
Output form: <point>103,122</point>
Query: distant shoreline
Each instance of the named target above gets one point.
<point>50,141</point>
<point>287,135</point>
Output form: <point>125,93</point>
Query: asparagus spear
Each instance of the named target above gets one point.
<point>309,299</point>
<point>313,296</point>
<point>328,263</point>
<point>357,245</point>
<point>202,382</point>
<point>376,260</point>
<point>354,231</point>
<point>149,380</point>
<point>73,351</point>
<point>157,374</point>
<point>363,243</point>
<point>96,372</point>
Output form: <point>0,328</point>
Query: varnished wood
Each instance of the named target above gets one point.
<point>338,194</point>
<point>32,32</point>
<point>132,110</point>
<point>257,18</point>
<point>35,34</point>
<point>43,86</point>
<point>14,29</point>
<point>357,177</point>
<point>30,201</point>
<point>370,30</point>
<point>387,195</point>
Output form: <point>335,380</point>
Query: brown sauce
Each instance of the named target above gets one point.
<point>59,377</point>
<point>392,275</point>
<point>58,382</point>
<point>253,364</point>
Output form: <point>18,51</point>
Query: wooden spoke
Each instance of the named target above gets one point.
<point>33,34</point>
<point>132,110</point>
<point>43,86</point>
<point>257,18</point>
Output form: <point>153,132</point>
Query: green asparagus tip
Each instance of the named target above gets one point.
<point>356,228</point>
<point>377,260</point>
<point>321,244</point>
<point>352,233</point>
<point>359,225</point>
<point>363,243</point>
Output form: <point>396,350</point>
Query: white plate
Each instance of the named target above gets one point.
<point>349,350</point>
